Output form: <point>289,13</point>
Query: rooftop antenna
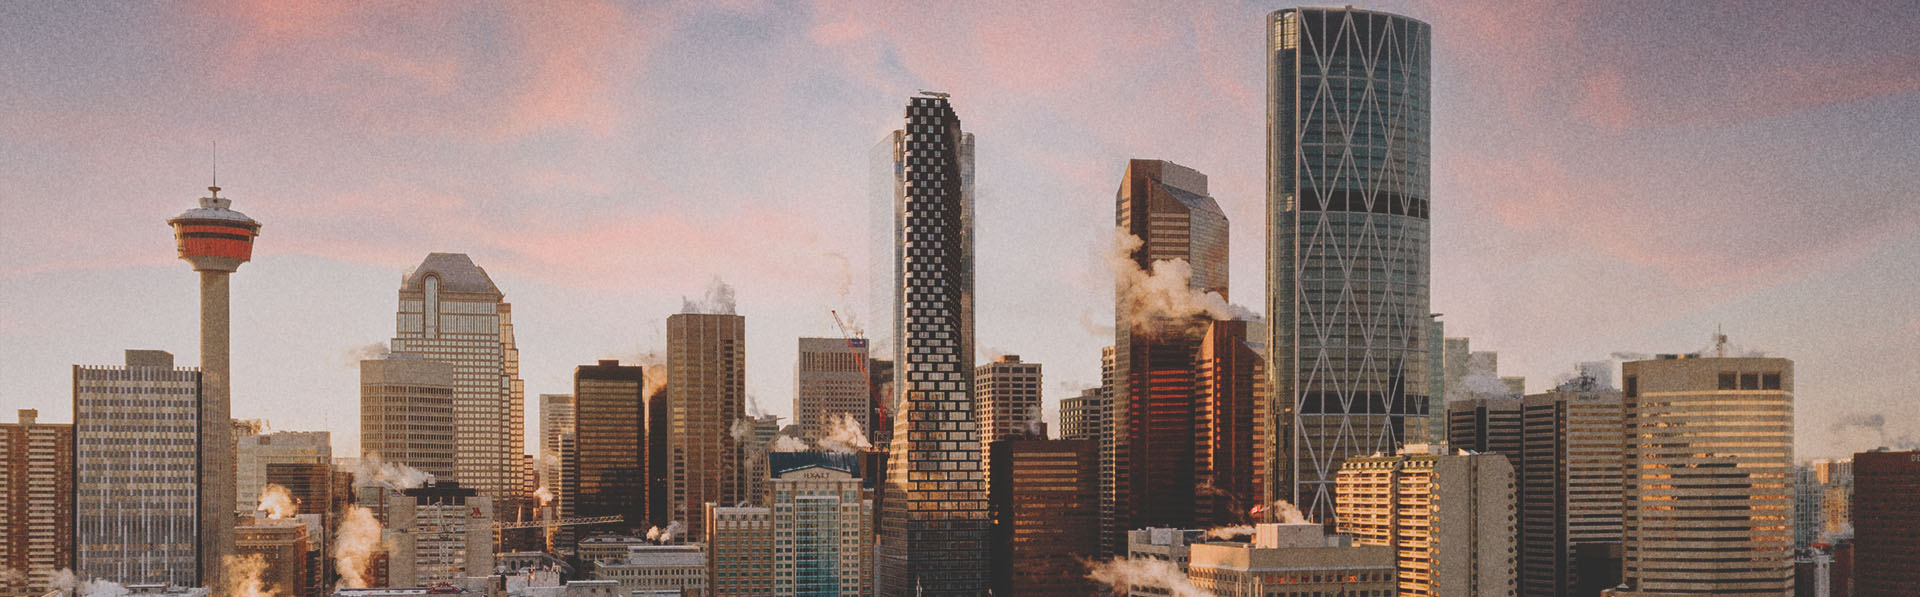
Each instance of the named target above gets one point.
<point>216,170</point>
<point>1719,342</point>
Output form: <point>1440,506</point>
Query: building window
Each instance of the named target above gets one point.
<point>1770,381</point>
<point>1727,381</point>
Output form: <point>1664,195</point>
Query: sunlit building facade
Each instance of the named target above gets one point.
<point>407,413</point>
<point>608,471</point>
<point>1709,481</point>
<point>1448,517</point>
<point>36,503</point>
<point>451,312</point>
<point>707,394</point>
<point>136,441</point>
<point>830,381</point>
<point>1148,462</point>
<point>934,508</point>
<point>1347,257</point>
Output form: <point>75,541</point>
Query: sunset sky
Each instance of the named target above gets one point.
<point>1606,177</point>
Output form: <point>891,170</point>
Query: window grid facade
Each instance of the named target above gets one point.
<point>934,527</point>
<point>137,478</point>
<point>1347,201</point>
<point>451,311</point>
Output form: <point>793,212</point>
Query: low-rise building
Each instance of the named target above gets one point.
<point>1291,559</point>
<point>681,568</point>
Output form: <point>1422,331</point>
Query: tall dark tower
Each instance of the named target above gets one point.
<point>1348,99</point>
<point>933,520</point>
<point>216,240</point>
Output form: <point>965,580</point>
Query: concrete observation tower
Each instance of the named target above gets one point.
<point>216,240</point>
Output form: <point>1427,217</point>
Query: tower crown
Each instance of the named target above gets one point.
<point>214,237</point>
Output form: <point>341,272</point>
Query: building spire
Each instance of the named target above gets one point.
<point>215,189</point>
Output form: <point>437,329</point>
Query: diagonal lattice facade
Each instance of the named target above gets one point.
<point>1347,255</point>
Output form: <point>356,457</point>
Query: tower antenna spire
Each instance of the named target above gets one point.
<point>216,170</point>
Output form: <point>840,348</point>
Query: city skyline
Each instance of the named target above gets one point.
<point>1557,236</point>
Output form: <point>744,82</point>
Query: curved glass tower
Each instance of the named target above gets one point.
<point>1347,245</point>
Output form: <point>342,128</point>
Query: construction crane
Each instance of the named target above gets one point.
<point>854,344</point>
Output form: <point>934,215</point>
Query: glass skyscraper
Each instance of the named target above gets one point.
<point>1347,254</point>
<point>451,312</point>
<point>934,510</point>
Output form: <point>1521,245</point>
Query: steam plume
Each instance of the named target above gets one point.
<point>718,301</point>
<point>277,502</point>
<point>367,352</point>
<point>1230,532</point>
<point>666,535</point>
<point>544,495</point>
<point>845,435</point>
<point>65,582</point>
<point>355,545</point>
<point>243,576</point>
<point>788,443</point>
<point>1163,296</point>
<point>1122,574</point>
<point>372,471</point>
<point>1282,511</point>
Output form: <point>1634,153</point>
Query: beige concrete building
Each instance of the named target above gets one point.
<point>706,387</point>
<point>740,540</point>
<point>253,453</point>
<point>407,413</point>
<point>829,381</point>
<point>1709,483</point>
<point>659,569</point>
<point>284,548</point>
<point>1571,478</point>
<point>1083,416</point>
<point>36,503</point>
<point>137,474</point>
<point>814,537</point>
<point>1448,517</point>
<point>1161,544</point>
<point>1291,559</point>
<point>556,420</point>
<point>451,312</point>
<point>439,533</point>
<point>1006,403</point>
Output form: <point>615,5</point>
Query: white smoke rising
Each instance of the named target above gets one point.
<point>666,535</point>
<point>718,301</point>
<point>66,583</point>
<point>372,471</point>
<point>1122,574</point>
<point>845,435</point>
<point>742,430</point>
<point>365,352</point>
<point>1244,530</point>
<point>544,495</point>
<point>1282,511</point>
<point>1162,296</point>
<point>243,576</point>
<point>277,502</point>
<point>788,443</point>
<point>355,546</point>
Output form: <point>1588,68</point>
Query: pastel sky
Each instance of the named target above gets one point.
<point>1617,176</point>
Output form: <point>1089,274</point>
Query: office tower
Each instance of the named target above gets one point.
<point>439,533</point>
<point>740,541</point>
<point>451,312</point>
<point>1229,424</point>
<point>1291,559</point>
<point>1083,416</point>
<point>253,453</point>
<point>36,502</point>
<point>1449,519</point>
<point>760,433</point>
<point>880,392</point>
<point>1006,402</point>
<point>1809,507</point>
<point>609,466</point>
<point>830,381</point>
<point>1709,464</point>
<point>1486,425</point>
<point>310,484</point>
<point>284,548</point>
<point>706,384</point>
<point>1347,231</point>
<point>658,570</point>
<point>1433,429</point>
<point>1165,208</point>
<point>659,461</point>
<point>1570,482</point>
<point>408,413</point>
<point>136,440</point>
<point>821,511</point>
<point>216,240</point>
<point>1045,497</point>
<point>556,419</point>
<point>934,526</point>
<point>1886,539</point>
